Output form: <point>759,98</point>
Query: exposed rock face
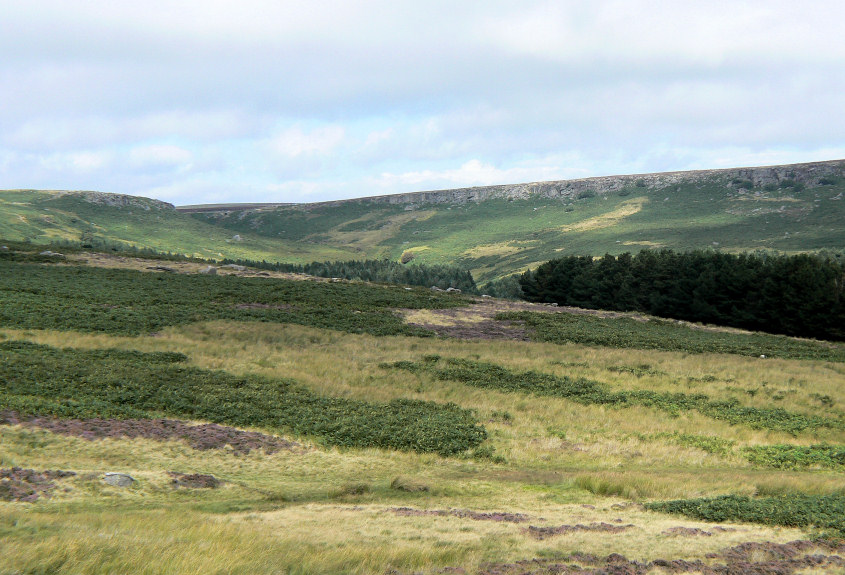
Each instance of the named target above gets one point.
<point>807,174</point>
<point>122,200</point>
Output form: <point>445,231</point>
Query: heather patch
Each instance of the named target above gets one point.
<point>27,485</point>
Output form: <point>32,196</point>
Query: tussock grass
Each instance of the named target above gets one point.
<point>322,510</point>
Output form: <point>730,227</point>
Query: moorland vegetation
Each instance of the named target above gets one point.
<point>604,442</point>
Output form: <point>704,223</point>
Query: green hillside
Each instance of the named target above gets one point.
<point>492,231</point>
<point>46,216</point>
<point>498,236</point>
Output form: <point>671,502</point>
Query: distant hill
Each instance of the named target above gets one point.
<point>493,230</point>
<point>47,216</point>
<point>497,230</point>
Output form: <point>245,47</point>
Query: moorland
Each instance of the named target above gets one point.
<point>278,422</point>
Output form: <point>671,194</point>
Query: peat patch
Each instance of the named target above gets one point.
<point>202,437</point>
<point>27,485</point>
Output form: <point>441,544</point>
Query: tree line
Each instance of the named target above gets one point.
<point>379,271</point>
<point>799,295</point>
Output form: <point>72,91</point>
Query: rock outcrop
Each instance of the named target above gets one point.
<point>807,174</point>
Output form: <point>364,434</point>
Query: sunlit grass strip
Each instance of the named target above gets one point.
<point>667,336</point>
<point>796,510</point>
<point>42,380</point>
<point>585,391</point>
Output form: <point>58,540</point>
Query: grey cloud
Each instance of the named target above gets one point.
<point>600,86</point>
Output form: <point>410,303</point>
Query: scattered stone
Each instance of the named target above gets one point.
<point>237,237</point>
<point>51,254</point>
<point>118,479</point>
<point>209,271</point>
<point>453,290</point>
<point>435,288</point>
<point>485,295</point>
<point>235,267</point>
<point>4,248</point>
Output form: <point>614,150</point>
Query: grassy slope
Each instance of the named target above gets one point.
<point>492,238</point>
<point>497,237</point>
<point>46,216</point>
<point>305,511</point>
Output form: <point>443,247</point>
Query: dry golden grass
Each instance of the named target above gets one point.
<point>297,511</point>
<point>609,219</point>
<point>497,249</point>
<point>153,527</point>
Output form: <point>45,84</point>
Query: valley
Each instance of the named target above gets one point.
<point>463,440</point>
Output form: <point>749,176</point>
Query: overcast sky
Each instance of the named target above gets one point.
<point>223,101</point>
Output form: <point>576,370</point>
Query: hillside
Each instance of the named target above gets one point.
<point>493,231</point>
<point>45,216</point>
<point>497,230</point>
<point>277,423</point>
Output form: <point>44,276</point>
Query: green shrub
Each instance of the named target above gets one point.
<point>71,383</point>
<point>129,302</point>
<point>797,510</point>
<point>796,456</point>
<point>668,336</point>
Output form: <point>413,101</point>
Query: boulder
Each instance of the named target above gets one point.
<point>235,267</point>
<point>118,479</point>
<point>209,271</point>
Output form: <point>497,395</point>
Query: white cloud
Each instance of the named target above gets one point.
<point>335,98</point>
<point>155,156</point>
<point>477,173</point>
<point>296,142</point>
<point>77,162</point>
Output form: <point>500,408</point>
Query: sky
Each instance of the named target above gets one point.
<point>287,101</point>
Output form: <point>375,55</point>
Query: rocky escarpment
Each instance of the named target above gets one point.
<point>808,174</point>
<point>121,200</point>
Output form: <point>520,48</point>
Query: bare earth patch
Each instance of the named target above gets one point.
<point>546,532</point>
<point>748,558</point>
<point>476,321</point>
<point>202,437</point>
<point>694,531</point>
<point>501,516</point>
<point>194,480</point>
